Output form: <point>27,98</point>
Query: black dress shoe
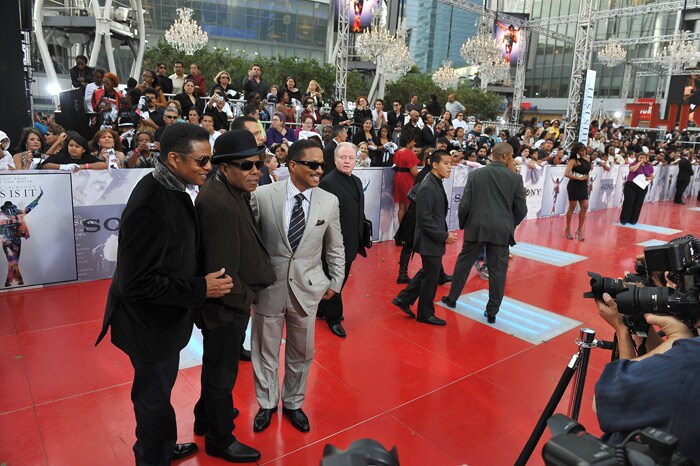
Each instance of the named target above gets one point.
<point>449,301</point>
<point>403,279</point>
<point>236,453</point>
<point>681,202</point>
<point>263,418</point>
<point>489,318</point>
<point>202,427</point>
<point>337,329</point>
<point>297,418</point>
<point>444,279</point>
<point>245,355</point>
<point>183,450</point>
<point>432,320</point>
<point>403,306</point>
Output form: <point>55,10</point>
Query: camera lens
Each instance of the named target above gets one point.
<point>600,285</point>
<point>639,300</point>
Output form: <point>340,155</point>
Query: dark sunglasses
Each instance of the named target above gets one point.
<point>202,161</point>
<point>247,165</point>
<point>312,165</point>
<point>170,117</point>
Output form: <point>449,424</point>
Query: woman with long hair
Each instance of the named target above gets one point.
<point>406,170</point>
<point>315,92</point>
<point>361,112</point>
<point>365,133</point>
<point>107,147</point>
<point>284,106</point>
<point>31,146</point>
<point>577,171</point>
<point>76,156</point>
<point>338,115</point>
<point>188,98</point>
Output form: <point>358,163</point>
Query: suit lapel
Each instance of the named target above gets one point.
<point>279,202</point>
<point>314,210</point>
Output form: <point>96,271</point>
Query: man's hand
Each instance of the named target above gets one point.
<point>451,238</point>
<point>672,327</point>
<point>328,294</point>
<point>216,286</point>
<point>607,309</point>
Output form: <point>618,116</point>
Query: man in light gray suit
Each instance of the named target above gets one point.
<point>299,223</point>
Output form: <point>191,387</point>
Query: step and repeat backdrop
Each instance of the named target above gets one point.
<point>57,227</point>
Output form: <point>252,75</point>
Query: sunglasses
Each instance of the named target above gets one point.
<point>202,161</point>
<point>312,165</point>
<point>170,117</point>
<point>247,165</point>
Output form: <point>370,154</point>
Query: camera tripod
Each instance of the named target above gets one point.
<point>576,369</point>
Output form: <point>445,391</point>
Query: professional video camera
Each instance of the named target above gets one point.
<point>365,452</point>
<point>680,257</point>
<point>572,445</point>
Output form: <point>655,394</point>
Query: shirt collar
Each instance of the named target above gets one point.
<point>293,191</point>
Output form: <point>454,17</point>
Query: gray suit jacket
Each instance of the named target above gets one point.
<point>300,272</point>
<point>492,205</point>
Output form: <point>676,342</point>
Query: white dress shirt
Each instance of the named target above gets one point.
<point>289,205</point>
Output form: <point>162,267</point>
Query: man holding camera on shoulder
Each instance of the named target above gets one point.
<point>660,388</point>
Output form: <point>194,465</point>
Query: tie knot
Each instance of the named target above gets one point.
<point>299,198</point>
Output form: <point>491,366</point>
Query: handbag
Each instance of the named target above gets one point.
<point>367,233</point>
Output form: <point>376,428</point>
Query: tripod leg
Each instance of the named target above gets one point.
<point>548,411</point>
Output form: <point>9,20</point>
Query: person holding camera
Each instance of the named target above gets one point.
<point>658,389</point>
<point>151,115</point>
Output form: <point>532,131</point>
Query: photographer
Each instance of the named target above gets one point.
<point>658,389</point>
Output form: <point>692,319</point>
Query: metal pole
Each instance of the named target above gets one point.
<point>586,342</point>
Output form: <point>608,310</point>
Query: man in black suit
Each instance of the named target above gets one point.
<point>340,134</point>
<point>230,240</point>
<point>351,200</point>
<point>156,289</point>
<point>429,241</point>
<point>685,173</point>
<point>396,117</point>
<point>428,136</point>
<point>166,84</point>
<point>492,205</point>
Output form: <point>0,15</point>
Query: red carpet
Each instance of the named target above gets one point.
<point>461,394</point>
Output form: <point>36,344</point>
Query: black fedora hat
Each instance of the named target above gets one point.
<point>235,145</point>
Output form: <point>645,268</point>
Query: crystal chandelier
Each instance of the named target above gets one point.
<point>445,77</point>
<point>396,60</point>
<point>680,53</point>
<point>185,35</point>
<point>484,52</point>
<point>612,54</point>
<point>374,41</point>
<point>388,50</point>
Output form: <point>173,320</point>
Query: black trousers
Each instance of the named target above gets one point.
<point>632,205</point>
<point>332,309</point>
<point>156,430</point>
<point>680,189</point>
<point>222,346</point>
<point>423,286</point>
<point>498,268</point>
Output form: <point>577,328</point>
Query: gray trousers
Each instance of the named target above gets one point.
<point>266,338</point>
<point>498,267</point>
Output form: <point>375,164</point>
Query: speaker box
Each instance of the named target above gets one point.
<point>26,22</point>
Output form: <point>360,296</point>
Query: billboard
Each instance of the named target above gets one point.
<point>508,37</point>
<point>359,13</point>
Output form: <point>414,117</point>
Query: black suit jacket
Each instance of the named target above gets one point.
<point>395,120</point>
<point>431,211</point>
<point>186,104</point>
<point>329,157</point>
<point>166,84</point>
<point>493,198</point>
<point>351,200</point>
<point>685,170</point>
<point>230,239</point>
<point>427,137</point>
<point>155,290</point>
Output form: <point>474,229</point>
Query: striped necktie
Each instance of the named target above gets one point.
<point>296,223</point>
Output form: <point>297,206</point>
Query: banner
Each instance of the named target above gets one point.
<point>508,37</point>
<point>371,179</point>
<point>359,13</point>
<point>533,179</point>
<point>36,229</point>
<point>555,197</point>
<point>618,192</point>
<point>694,187</point>
<point>99,198</point>
<point>603,188</point>
<point>587,107</point>
<point>457,182</point>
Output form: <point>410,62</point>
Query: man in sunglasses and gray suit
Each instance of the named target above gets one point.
<point>300,223</point>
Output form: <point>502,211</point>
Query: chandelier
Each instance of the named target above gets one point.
<point>612,54</point>
<point>185,35</point>
<point>396,61</point>
<point>484,52</point>
<point>389,51</point>
<point>445,77</point>
<point>680,53</point>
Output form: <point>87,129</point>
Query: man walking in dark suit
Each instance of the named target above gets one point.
<point>429,241</point>
<point>685,173</point>
<point>155,291</point>
<point>230,240</point>
<point>492,205</point>
<point>351,200</point>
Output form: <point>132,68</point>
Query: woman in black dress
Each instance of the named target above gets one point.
<point>577,171</point>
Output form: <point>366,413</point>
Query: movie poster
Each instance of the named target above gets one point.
<point>36,229</point>
<point>371,179</point>
<point>359,13</point>
<point>618,192</point>
<point>508,37</point>
<point>99,197</point>
<point>555,197</point>
<point>534,189</point>
<point>603,188</point>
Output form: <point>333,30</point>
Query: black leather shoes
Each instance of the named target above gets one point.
<point>201,428</point>
<point>489,318</point>
<point>337,329</point>
<point>449,301</point>
<point>432,320</point>
<point>263,418</point>
<point>183,450</point>
<point>444,279</point>
<point>403,306</point>
<point>297,418</point>
<point>236,453</point>
<point>245,355</point>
